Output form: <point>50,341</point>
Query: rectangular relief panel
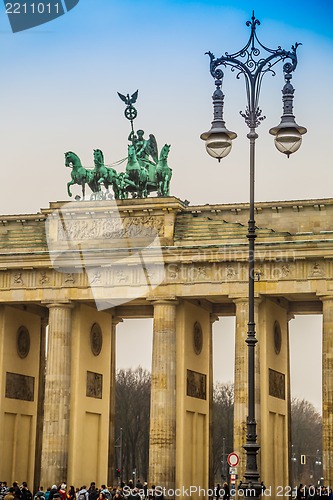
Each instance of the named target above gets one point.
<point>94,385</point>
<point>108,227</point>
<point>19,386</point>
<point>277,385</point>
<point>196,385</point>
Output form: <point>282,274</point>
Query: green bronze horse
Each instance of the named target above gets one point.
<point>122,183</point>
<point>136,175</point>
<point>163,172</point>
<point>104,175</point>
<point>79,174</point>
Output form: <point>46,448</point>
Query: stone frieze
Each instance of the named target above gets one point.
<point>110,228</point>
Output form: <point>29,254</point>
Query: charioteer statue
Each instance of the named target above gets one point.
<point>146,170</point>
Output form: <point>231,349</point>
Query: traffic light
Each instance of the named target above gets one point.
<point>303,459</point>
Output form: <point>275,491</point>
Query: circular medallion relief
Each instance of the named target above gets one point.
<point>197,338</point>
<point>96,339</point>
<point>23,342</point>
<point>277,337</point>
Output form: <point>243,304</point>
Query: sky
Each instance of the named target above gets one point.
<point>59,85</point>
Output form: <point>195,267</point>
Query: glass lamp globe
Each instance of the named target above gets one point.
<point>288,140</point>
<point>218,145</point>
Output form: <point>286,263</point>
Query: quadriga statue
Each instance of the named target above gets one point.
<point>145,171</point>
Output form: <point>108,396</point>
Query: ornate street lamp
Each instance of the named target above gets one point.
<point>218,138</point>
<point>288,137</point>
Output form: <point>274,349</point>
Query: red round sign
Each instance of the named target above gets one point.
<point>233,459</point>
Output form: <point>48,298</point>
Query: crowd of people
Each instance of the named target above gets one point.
<point>313,492</point>
<point>130,491</point>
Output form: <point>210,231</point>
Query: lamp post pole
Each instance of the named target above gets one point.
<point>249,63</point>
<point>293,467</point>
<point>317,468</point>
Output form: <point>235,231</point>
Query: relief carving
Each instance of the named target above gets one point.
<point>121,277</point>
<point>276,384</point>
<point>17,278</point>
<point>285,270</point>
<point>197,273</point>
<point>281,270</point>
<point>19,386</point>
<point>94,387</point>
<point>173,271</point>
<point>197,338</point>
<point>277,335</point>
<point>112,227</point>
<point>96,339</point>
<point>317,271</point>
<point>196,385</point>
<point>230,272</point>
<point>23,342</point>
<point>95,278</point>
<point>69,278</point>
<point>259,273</point>
<point>202,272</point>
<point>44,279</point>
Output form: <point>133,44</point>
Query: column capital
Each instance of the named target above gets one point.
<point>164,301</point>
<point>290,316</point>
<point>116,320</point>
<point>239,300</point>
<point>326,298</point>
<point>213,317</point>
<point>245,300</point>
<point>68,304</point>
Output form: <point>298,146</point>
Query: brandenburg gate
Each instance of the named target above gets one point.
<point>74,270</point>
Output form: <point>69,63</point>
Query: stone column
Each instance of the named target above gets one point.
<point>57,396</point>
<point>40,404</point>
<point>213,318</point>
<point>291,464</point>
<point>327,389</point>
<point>112,419</point>
<point>240,381</point>
<point>162,444</point>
